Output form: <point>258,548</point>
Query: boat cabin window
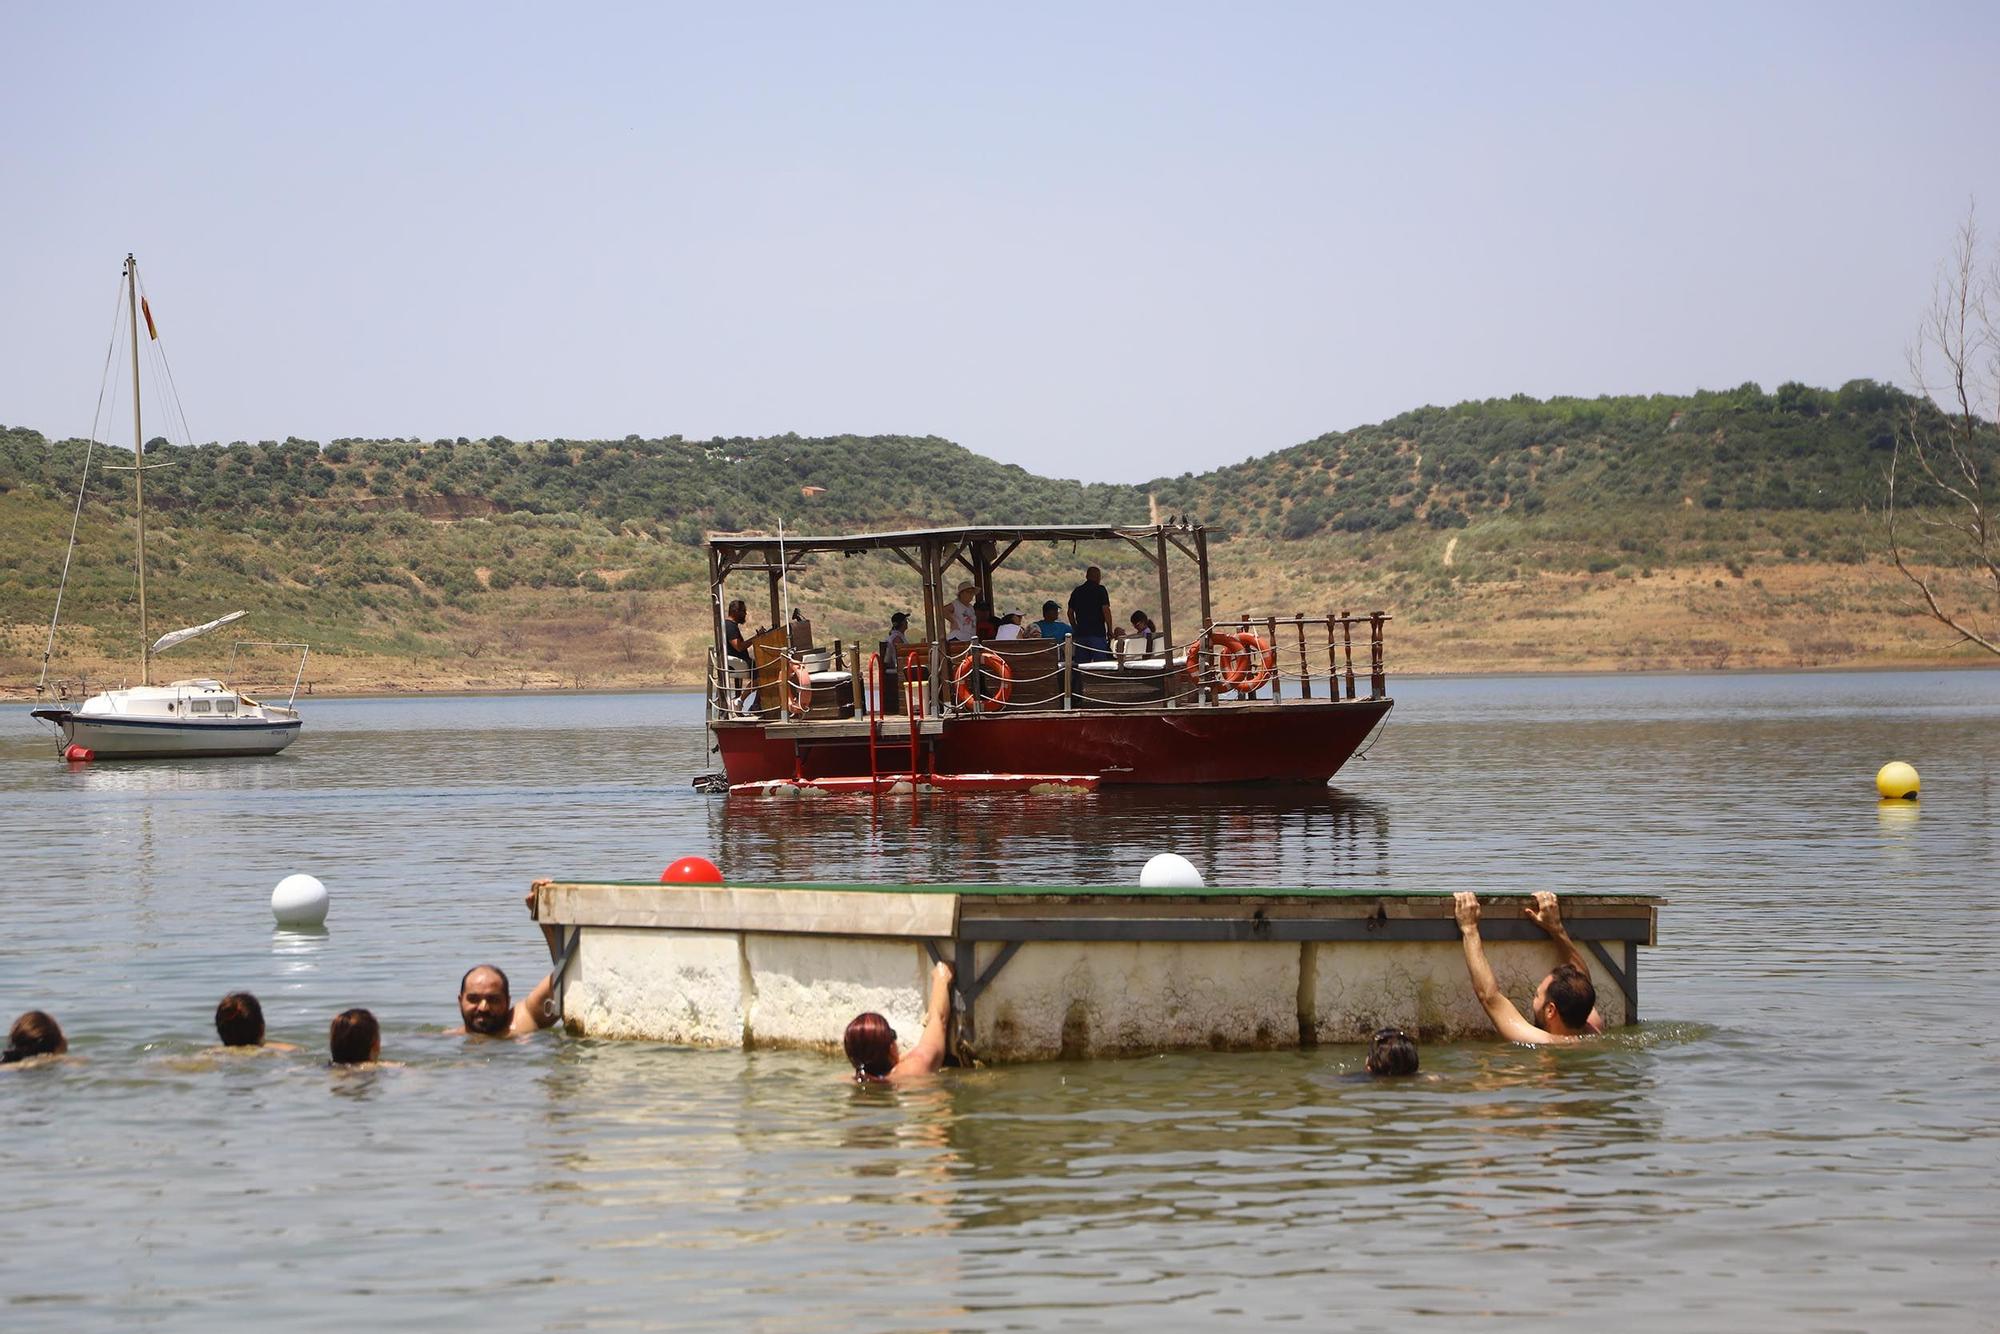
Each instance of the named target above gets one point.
<point>225,706</point>
<point>197,706</point>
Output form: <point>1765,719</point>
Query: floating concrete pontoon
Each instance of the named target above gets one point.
<point>1049,972</point>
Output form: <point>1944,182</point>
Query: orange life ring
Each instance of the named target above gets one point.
<point>1230,658</point>
<point>993,663</point>
<point>1260,660</point>
<point>801,693</point>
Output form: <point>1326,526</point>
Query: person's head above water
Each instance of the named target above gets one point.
<point>354,1038</point>
<point>35,1033</point>
<point>239,1020</point>
<point>1391,1051</point>
<point>1564,1000</point>
<point>484,1002</point>
<point>871,1046</point>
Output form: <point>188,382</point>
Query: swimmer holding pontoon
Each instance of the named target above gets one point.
<point>1565,1005</point>
<point>488,1009</point>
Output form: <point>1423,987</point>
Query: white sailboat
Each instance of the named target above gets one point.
<point>195,717</point>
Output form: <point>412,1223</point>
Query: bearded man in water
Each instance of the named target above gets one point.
<point>1564,1009</point>
<point>488,1010</point>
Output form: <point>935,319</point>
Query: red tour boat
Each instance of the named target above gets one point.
<point>1256,699</point>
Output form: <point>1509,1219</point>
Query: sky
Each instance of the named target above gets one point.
<point>1107,241</point>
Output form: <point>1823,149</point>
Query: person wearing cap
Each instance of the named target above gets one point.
<point>1010,626</point>
<point>1052,625</point>
<point>958,618</point>
<point>899,635</point>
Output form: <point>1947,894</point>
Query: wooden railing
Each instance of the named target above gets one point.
<point>1314,657</point>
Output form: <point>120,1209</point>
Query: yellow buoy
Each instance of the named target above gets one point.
<point>1897,781</point>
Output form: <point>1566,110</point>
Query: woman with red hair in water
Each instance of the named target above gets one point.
<point>871,1044</point>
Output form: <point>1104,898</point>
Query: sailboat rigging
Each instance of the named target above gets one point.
<point>195,717</point>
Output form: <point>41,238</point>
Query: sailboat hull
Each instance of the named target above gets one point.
<point>159,739</point>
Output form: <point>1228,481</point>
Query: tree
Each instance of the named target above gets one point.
<point>1941,469</point>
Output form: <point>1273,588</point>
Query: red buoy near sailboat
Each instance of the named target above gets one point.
<point>77,754</point>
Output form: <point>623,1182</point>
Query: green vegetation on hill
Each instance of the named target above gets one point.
<point>409,549</point>
<point>1741,449</point>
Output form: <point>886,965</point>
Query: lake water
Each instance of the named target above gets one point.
<point>1803,1134</point>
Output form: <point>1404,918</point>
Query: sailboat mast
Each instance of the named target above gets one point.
<point>138,463</point>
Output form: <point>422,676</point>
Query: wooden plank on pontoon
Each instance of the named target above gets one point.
<point>738,908</point>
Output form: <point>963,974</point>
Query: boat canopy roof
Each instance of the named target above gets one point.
<point>733,547</point>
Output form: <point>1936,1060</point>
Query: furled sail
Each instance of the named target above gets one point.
<point>173,637</point>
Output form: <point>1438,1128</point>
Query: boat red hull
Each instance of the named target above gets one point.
<point>1300,741</point>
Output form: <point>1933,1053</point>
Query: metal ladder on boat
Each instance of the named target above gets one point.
<point>913,716</point>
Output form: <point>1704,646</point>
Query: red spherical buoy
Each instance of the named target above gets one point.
<point>691,871</point>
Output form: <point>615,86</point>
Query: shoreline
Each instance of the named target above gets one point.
<point>20,695</point>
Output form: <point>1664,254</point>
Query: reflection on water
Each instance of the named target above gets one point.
<point>1775,1148</point>
<point>1267,836</point>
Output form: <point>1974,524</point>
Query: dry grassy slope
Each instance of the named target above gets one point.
<point>1694,616</point>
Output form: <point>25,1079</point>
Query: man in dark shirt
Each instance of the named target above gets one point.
<point>1090,615</point>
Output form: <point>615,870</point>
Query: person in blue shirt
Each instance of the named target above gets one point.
<point>1052,626</point>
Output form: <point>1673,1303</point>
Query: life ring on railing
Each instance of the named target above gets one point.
<point>1260,659</point>
<point>993,663</point>
<point>1231,660</point>
<point>801,693</point>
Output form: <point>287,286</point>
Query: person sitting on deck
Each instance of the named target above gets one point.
<point>1010,627</point>
<point>1090,615</point>
<point>1142,630</point>
<point>899,637</point>
<point>1391,1052</point>
<point>488,1008</point>
<point>871,1046</point>
<point>1052,626</point>
<point>1564,1009</point>
<point>35,1037</point>
<point>239,1022</point>
<point>958,618</point>
<point>983,622</point>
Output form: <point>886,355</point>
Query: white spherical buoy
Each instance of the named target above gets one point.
<point>299,900</point>
<point>1170,870</point>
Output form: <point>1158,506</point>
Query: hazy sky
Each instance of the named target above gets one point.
<point>1107,241</point>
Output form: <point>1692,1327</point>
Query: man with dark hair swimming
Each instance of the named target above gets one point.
<point>1564,1009</point>
<point>486,1007</point>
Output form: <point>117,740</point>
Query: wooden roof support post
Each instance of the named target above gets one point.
<point>982,571</point>
<point>933,557</point>
<point>1166,601</point>
<point>777,614</point>
<point>1201,564</point>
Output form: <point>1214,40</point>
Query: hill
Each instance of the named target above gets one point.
<point>1705,529</point>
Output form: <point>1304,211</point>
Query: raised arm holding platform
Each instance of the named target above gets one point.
<point>1565,1003</point>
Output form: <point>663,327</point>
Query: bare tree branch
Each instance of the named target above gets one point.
<point>1948,436</point>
